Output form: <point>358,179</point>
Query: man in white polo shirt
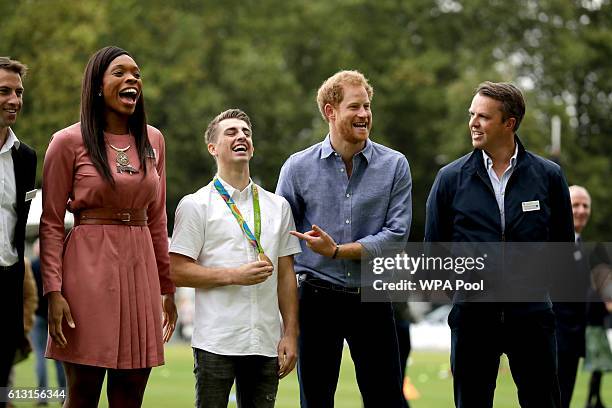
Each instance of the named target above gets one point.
<point>231,242</point>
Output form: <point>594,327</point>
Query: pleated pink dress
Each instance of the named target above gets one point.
<point>111,275</point>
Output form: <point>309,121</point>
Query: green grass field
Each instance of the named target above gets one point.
<point>172,384</point>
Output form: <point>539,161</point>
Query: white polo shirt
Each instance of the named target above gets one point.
<point>235,319</point>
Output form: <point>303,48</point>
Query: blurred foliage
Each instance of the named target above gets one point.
<point>268,57</point>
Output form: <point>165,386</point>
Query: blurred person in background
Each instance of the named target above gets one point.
<point>571,316</point>
<point>401,314</point>
<point>40,331</point>
<point>595,347</point>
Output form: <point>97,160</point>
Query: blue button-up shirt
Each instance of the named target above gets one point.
<point>373,207</point>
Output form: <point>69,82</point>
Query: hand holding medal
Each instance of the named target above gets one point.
<point>263,257</point>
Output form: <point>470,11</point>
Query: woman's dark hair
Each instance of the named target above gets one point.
<point>92,114</point>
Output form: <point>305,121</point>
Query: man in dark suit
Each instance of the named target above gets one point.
<point>17,176</point>
<point>571,316</point>
<point>501,192</point>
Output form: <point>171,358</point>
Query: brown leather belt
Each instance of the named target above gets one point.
<point>112,216</point>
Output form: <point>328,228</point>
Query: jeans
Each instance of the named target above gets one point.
<point>256,380</point>
<point>328,317</point>
<point>39,343</point>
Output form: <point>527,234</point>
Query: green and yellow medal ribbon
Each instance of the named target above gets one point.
<point>253,239</point>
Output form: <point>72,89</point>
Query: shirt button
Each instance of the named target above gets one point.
<point>347,221</point>
<point>348,195</point>
<point>348,274</point>
<point>341,170</point>
<point>336,154</point>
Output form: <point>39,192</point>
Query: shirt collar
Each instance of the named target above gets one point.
<point>327,149</point>
<point>488,162</point>
<point>11,140</point>
<point>234,192</point>
<point>367,150</point>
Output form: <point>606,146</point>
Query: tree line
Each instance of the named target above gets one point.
<point>268,57</point>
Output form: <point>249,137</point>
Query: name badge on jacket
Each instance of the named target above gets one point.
<point>531,205</point>
<point>30,195</point>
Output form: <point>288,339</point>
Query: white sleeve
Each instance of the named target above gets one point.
<point>189,228</point>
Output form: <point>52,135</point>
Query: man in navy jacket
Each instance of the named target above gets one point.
<point>501,192</point>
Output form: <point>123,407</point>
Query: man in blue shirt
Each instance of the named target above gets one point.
<point>501,192</point>
<point>350,198</point>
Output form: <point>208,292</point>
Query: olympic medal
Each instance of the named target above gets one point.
<point>263,257</point>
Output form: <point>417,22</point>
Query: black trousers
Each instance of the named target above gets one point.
<point>11,304</point>
<point>568,368</point>
<point>329,317</point>
<point>480,333</point>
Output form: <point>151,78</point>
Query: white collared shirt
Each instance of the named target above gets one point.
<point>499,186</point>
<point>234,319</point>
<point>8,202</point>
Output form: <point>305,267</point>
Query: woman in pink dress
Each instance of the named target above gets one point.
<point>111,301</point>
